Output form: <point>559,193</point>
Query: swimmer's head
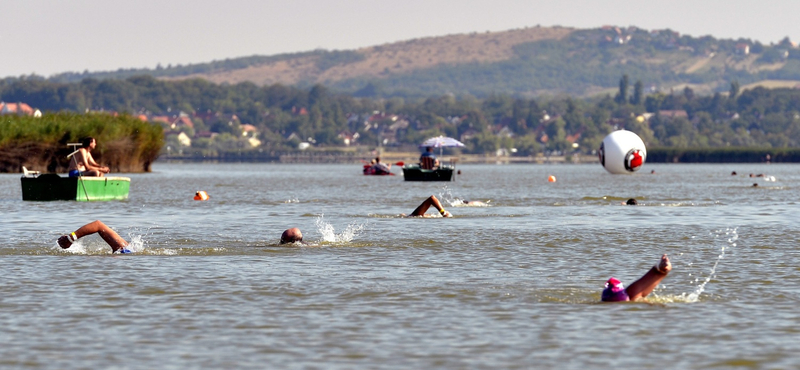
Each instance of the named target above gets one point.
<point>631,202</point>
<point>291,236</point>
<point>614,291</point>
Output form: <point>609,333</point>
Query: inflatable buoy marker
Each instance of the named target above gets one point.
<point>551,179</point>
<point>200,195</point>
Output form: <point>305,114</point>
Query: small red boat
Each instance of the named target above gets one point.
<point>377,169</point>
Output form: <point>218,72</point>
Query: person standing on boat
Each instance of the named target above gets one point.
<point>616,292</point>
<point>116,242</point>
<point>82,162</point>
<point>427,160</point>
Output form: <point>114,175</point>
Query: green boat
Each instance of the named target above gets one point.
<point>51,186</point>
<point>412,172</point>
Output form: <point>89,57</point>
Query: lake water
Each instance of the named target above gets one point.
<point>514,285</point>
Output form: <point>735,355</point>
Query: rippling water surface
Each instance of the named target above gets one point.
<point>511,285</point>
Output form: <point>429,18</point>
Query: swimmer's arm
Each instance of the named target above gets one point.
<point>110,236</point>
<point>647,283</point>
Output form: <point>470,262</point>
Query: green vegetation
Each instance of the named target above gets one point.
<point>125,143</point>
<point>285,116</point>
<point>524,105</point>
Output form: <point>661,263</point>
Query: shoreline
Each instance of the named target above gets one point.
<point>387,157</point>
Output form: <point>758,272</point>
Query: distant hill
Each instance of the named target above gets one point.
<point>522,62</point>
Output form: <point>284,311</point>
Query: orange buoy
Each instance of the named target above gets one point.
<point>201,195</point>
<point>551,179</point>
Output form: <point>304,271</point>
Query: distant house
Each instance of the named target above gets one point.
<point>184,139</point>
<point>503,131</point>
<point>573,138</point>
<point>622,39</point>
<point>174,122</point>
<point>249,130</point>
<point>680,113</point>
<point>347,137</point>
<point>742,49</point>
<point>20,109</point>
<point>468,134</point>
<point>182,121</point>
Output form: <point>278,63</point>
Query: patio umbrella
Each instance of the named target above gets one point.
<point>441,142</point>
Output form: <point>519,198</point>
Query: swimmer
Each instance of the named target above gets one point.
<point>474,203</point>
<point>631,202</point>
<point>292,235</point>
<point>431,201</point>
<point>116,242</point>
<point>733,173</point>
<point>616,292</point>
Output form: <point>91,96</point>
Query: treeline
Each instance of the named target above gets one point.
<point>125,143</point>
<point>285,116</point>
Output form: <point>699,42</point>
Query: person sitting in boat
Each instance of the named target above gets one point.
<point>428,161</point>
<point>616,292</point>
<point>380,168</point>
<point>116,242</point>
<point>82,163</point>
<point>431,201</point>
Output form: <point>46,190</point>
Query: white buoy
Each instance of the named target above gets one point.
<point>622,152</point>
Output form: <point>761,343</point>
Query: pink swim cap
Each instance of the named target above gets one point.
<point>614,291</point>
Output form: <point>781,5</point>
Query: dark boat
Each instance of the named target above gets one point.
<point>413,172</point>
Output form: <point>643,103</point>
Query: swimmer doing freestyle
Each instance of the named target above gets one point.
<point>426,204</point>
<point>116,242</point>
<point>615,292</point>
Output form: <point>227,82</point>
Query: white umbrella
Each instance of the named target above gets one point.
<point>441,142</point>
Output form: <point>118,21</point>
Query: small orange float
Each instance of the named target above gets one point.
<point>201,195</point>
<point>551,179</point>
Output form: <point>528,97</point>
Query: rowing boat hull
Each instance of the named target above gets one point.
<point>414,173</point>
<point>54,187</point>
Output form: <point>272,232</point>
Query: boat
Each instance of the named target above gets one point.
<point>375,170</point>
<point>413,172</point>
<point>51,186</point>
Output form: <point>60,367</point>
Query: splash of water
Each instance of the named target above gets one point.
<point>730,238</point>
<point>446,196</point>
<point>136,244</point>
<point>329,233</point>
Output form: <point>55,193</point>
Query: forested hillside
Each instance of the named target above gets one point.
<point>520,92</point>
<point>281,117</point>
<point>525,62</point>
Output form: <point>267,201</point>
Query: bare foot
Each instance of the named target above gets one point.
<point>664,266</point>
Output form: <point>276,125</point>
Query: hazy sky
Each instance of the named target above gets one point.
<point>46,37</point>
